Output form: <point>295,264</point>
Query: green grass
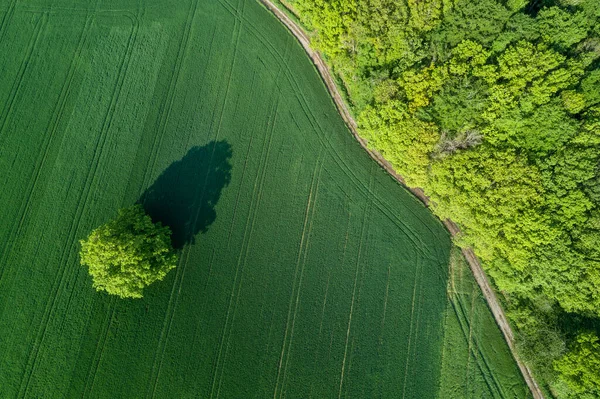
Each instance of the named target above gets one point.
<point>306,271</point>
<point>476,361</point>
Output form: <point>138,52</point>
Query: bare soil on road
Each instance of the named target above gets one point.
<point>454,230</point>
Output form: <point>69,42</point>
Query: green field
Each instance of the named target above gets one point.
<point>306,271</point>
<point>476,361</point>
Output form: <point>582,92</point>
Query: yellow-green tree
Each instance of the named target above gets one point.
<point>128,253</point>
<point>580,367</point>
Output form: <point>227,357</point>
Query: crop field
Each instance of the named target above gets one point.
<point>305,272</point>
<point>476,361</point>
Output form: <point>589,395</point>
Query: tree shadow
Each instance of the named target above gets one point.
<point>184,196</point>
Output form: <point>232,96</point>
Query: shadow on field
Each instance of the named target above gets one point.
<point>184,196</point>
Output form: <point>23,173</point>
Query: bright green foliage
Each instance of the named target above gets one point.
<point>425,14</point>
<point>590,88</point>
<point>573,101</point>
<point>459,105</point>
<point>480,21</point>
<point>421,86</point>
<point>497,209</point>
<point>494,113</point>
<point>516,5</point>
<point>580,368</point>
<point>560,27</point>
<point>390,127</point>
<point>538,342</point>
<point>128,253</point>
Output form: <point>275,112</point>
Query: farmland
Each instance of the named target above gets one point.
<point>476,361</point>
<point>306,271</point>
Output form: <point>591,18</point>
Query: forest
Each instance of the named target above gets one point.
<point>493,108</point>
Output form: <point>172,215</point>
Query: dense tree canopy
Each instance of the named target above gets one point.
<point>493,108</point>
<point>580,365</point>
<point>128,253</point>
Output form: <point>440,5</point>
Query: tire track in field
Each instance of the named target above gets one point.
<point>99,350</point>
<point>298,273</point>
<point>242,259</point>
<point>470,335</point>
<point>474,348</point>
<point>238,26</point>
<point>162,340</point>
<point>241,264</point>
<point>6,18</point>
<point>352,346</point>
<point>52,127</point>
<point>211,261</point>
<point>343,258</point>
<point>452,295</point>
<point>167,105</point>
<point>319,335</point>
<point>239,191</point>
<point>304,254</point>
<point>271,323</point>
<point>40,26</point>
<point>385,298</point>
<point>417,324</point>
<point>82,201</point>
<point>363,229</point>
<point>412,315</point>
<point>277,222</point>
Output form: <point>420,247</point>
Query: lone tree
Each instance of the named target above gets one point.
<point>128,253</point>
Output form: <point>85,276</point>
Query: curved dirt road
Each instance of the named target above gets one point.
<point>468,253</point>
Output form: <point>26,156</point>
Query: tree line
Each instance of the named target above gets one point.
<point>493,108</point>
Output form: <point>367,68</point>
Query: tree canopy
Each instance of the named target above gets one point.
<point>580,365</point>
<point>128,253</point>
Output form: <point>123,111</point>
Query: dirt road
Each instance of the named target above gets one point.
<point>474,263</point>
